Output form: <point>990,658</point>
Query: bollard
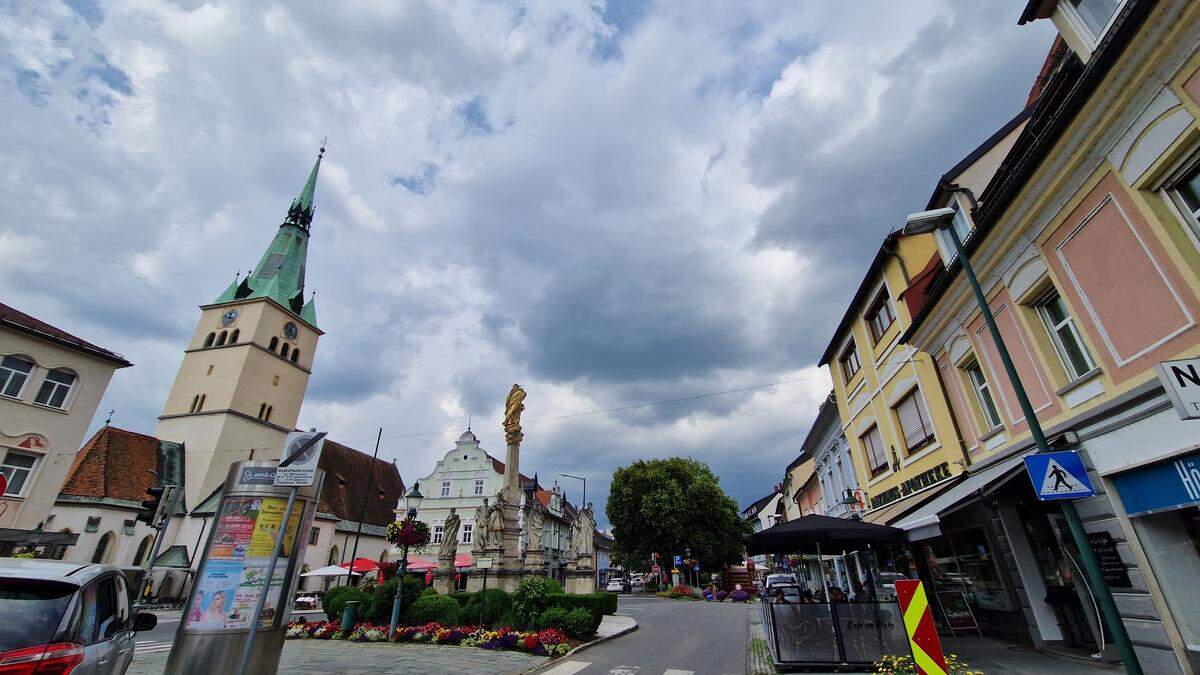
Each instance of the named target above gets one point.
<point>349,615</point>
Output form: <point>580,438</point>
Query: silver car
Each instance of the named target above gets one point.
<point>66,618</point>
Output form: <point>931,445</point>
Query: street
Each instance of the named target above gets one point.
<point>159,639</point>
<point>673,638</point>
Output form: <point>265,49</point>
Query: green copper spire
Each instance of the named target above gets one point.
<point>279,274</point>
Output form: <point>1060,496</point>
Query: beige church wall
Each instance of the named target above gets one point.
<point>73,518</point>
<point>63,430</point>
<point>216,440</point>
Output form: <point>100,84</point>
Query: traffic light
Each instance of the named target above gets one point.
<point>150,507</point>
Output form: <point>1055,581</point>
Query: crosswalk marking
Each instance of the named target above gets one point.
<point>673,671</point>
<point>152,647</point>
<point>625,670</point>
<point>568,668</point>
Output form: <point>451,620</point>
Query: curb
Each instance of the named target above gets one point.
<point>584,646</point>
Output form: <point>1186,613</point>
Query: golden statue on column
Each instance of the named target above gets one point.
<point>513,407</point>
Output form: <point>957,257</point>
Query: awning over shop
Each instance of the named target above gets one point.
<point>886,515</point>
<point>925,522</point>
<point>811,533</point>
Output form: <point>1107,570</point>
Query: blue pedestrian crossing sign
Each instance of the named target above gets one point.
<point>1059,475</point>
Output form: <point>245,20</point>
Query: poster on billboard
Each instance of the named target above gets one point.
<point>233,576</point>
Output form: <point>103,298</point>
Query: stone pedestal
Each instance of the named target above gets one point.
<point>580,580</point>
<point>535,562</point>
<point>443,578</point>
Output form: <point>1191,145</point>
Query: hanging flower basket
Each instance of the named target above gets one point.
<point>408,532</point>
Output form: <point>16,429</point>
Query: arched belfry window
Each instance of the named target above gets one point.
<point>208,341</point>
<point>221,338</point>
<point>195,403</point>
<point>295,355</point>
<point>283,351</point>
<point>262,411</point>
<point>233,337</point>
<point>274,343</point>
<point>268,417</point>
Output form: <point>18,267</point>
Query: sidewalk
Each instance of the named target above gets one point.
<point>613,625</point>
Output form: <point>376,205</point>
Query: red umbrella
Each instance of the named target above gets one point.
<point>362,565</point>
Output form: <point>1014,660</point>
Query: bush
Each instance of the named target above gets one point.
<point>555,617</point>
<point>462,598</point>
<point>429,590</point>
<point>336,598</point>
<point>531,598</point>
<point>581,624</point>
<point>597,603</point>
<point>680,591</point>
<point>385,595</point>
<point>432,609</point>
<point>496,603</point>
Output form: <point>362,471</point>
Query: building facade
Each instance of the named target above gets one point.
<point>50,385</point>
<point>1086,245</point>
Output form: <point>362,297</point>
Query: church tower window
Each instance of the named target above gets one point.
<point>295,355</point>
<point>283,351</point>
<point>208,341</point>
<point>273,344</point>
<point>268,417</point>
<point>233,337</point>
<point>262,411</point>
<point>221,338</point>
<point>195,403</point>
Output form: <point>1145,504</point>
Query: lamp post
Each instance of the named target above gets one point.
<point>583,501</point>
<point>412,500</point>
<point>939,219</point>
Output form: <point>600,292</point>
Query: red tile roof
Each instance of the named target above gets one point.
<point>914,295</point>
<point>20,321</point>
<point>114,464</point>
<point>346,476</point>
<point>499,467</point>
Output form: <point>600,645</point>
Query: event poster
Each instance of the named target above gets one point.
<point>235,573</point>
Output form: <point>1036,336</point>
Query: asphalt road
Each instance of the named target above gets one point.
<point>673,638</point>
<point>157,640</point>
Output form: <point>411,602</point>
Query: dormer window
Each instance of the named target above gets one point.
<point>1092,17</point>
<point>962,227</point>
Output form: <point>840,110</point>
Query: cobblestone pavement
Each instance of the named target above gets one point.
<point>758,654</point>
<point>328,656</point>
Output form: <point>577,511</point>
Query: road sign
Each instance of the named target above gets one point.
<point>483,563</point>
<point>656,569</point>
<point>1181,379</point>
<point>678,560</point>
<point>1058,475</point>
<point>918,623</point>
<point>697,567</point>
<point>303,468</point>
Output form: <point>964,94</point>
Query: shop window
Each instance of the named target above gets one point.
<point>17,468</point>
<point>880,315</point>
<point>983,395</point>
<point>1064,334</point>
<point>849,362</point>
<point>14,371</point>
<point>876,456</point>
<point>55,388</point>
<point>962,561</point>
<point>914,421</point>
<point>1172,543</point>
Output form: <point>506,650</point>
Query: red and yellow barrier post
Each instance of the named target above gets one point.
<point>918,623</point>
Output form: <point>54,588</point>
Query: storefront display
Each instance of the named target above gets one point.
<point>961,560</point>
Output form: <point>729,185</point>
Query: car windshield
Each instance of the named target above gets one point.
<point>39,606</point>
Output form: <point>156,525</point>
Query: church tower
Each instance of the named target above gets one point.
<point>246,368</point>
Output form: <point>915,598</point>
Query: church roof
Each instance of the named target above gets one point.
<point>346,476</point>
<point>116,467</point>
<point>279,274</point>
<point>19,321</point>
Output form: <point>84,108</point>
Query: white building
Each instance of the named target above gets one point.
<point>50,385</point>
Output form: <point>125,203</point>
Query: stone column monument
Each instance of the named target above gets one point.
<point>443,580</point>
<point>581,566</point>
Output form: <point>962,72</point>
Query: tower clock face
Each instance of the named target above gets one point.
<point>290,331</point>
<point>229,317</point>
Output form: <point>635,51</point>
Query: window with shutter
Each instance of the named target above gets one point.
<point>873,446</point>
<point>914,421</point>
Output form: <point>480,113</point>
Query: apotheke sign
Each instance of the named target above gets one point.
<point>1182,381</point>
<point>918,482</point>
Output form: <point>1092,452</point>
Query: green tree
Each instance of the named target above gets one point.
<point>666,505</point>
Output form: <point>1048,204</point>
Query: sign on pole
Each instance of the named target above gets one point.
<point>303,468</point>
<point>678,561</point>
<point>1058,475</point>
<point>483,563</point>
<point>656,569</point>
<point>1181,379</point>
<point>918,623</point>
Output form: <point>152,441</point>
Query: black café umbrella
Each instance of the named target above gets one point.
<point>811,533</point>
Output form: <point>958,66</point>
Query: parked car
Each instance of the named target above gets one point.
<point>791,593</point>
<point>783,578</point>
<point>615,585</point>
<point>62,617</point>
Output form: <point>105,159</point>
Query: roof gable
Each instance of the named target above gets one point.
<point>20,321</point>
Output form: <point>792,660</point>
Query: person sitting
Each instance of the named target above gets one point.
<point>806,597</point>
<point>780,598</point>
<point>836,594</point>
<point>856,592</point>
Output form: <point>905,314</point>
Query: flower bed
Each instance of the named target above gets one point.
<point>549,642</point>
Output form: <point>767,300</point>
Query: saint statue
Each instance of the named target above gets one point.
<point>495,523</point>
<point>449,546</point>
<point>533,526</point>
<point>481,523</point>
<point>513,407</point>
<point>582,532</point>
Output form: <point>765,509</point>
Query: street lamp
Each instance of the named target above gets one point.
<point>583,501</point>
<point>850,501</point>
<point>412,500</point>
<point>943,219</point>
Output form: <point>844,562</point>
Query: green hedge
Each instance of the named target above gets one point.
<point>380,610</point>
<point>462,598</point>
<point>336,598</point>
<point>581,624</point>
<point>433,608</point>
<point>496,604</point>
<point>597,603</point>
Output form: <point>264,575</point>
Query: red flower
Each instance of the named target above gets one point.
<point>531,642</point>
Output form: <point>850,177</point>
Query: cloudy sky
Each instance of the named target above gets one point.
<point>610,203</point>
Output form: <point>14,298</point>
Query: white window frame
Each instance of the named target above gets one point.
<point>923,416</point>
<point>468,533</point>
<point>962,225</point>
<point>444,490</point>
<point>478,487</point>
<point>1190,218</point>
<point>54,386</point>
<point>12,469</point>
<point>868,455</point>
<point>850,349</point>
<point>874,311</point>
<point>1081,28</point>
<point>983,389</point>
<point>7,373</point>
<point>438,531</point>
<point>1056,338</point>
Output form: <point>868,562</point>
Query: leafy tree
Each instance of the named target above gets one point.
<point>666,505</point>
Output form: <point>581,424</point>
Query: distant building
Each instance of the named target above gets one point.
<point>50,385</point>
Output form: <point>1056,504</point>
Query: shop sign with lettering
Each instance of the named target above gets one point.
<point>917,483</point>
